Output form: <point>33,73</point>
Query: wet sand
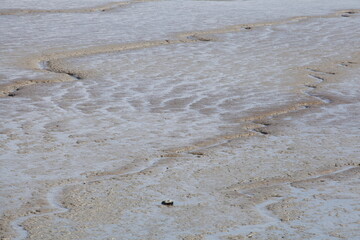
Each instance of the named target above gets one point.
<point>263,148</point>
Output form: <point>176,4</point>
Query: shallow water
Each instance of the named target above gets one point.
<point>168,90</point>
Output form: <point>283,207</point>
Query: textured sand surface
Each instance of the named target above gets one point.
<point>249,126</point>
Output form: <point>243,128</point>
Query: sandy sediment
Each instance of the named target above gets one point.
<point>100,8</point>
<point>216,196</point>
<point>53,62</point>
<point>247,204</point>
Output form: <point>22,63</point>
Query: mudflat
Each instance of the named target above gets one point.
<point>180,120</point>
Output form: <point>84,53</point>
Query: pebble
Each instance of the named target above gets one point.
<point>168,202</point>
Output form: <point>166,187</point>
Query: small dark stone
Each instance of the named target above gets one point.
<point>167,202</point>
<point>247,28</point>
